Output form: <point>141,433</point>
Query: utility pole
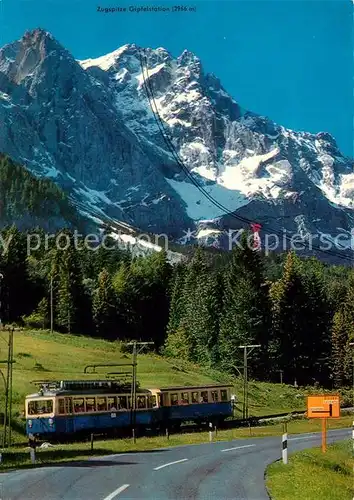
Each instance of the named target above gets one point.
<point>1,278</point>
<point>133,392</point>
<point>4,422</point>
<point>4,436</point>
<point>134,380</point>
<point>245,376</point>
<point>51,303</point>
<point>8,392</point>
<point>10,366</point>
<point>3,376</point>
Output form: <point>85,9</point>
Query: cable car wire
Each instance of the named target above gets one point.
<point>150,95</point>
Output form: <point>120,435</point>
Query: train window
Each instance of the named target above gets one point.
<point>204,396</point>
<point>141,402</point>
<point>174,399</point>
<point>215,396</point>
<point>223,394</point>
<point>40,407</point>
<point>111,403</point>
<point>61,406</point>
<point>68,405</point>
<point>195,397</point>
<point>90,404</point>
<point>49,406</point>
<point>79,406</point>
<point>101,404</point>
<point>122,403</point>
<point>185,398</point>
<point>152,402</point>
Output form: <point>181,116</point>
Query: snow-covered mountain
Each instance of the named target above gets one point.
<point>151,140</point>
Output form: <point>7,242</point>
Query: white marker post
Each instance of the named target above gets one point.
<point>32,443</point>
<point>210,431</point>
<point>285,446</point>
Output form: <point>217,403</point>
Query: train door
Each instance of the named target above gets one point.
<point>70,417</point>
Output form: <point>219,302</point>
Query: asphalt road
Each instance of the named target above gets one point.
<point>212,471</point>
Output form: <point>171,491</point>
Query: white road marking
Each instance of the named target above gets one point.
<point>105,457</point>
<point>170,463</point>
<point>239,447</point>
<point>305,437</point>
<point>116,492</point>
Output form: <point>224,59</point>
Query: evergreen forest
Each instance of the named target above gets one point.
<point>299,310</point>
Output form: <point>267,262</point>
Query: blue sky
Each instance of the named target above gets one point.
<point>291,60</point>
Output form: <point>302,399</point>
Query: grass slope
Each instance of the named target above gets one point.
<point>312,475</point>
<point>40,355</point>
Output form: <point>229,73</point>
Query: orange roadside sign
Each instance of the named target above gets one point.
<point>325,406</point>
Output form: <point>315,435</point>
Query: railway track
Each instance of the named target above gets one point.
<point>232,423</point>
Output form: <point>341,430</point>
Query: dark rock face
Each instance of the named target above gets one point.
<point>152,140</point>
<point>61,124</point>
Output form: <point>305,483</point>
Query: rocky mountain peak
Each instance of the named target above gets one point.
<point>39,64</point>
<point>150,140</point>
<point>127,55</point>
<point>327,143</point>
<point>188,58</point>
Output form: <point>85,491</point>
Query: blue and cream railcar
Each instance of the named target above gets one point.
<point>211,403</point>
<point>74,407</point>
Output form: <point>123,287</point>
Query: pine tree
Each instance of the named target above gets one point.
<point>339,343</point>
<point>246,311</point>
<point>15,285</point>
<point>177,308</point>
<point>107,257</point>
<point>127,292</point>
<point>177,344</point>
<point>70,294</point>
<point>300,344</point>
<point>142,294</point>
<point>289,301</point>
<point>215,306</point>
<point>43,312</point>
<point>317,344</point>
<point>201,304</point>
<point>104,307</point>
<point>65,305</point>
<point>342,335</point>
<point>161,272</point>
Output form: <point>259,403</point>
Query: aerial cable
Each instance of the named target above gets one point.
<point>171,148</point>
<point>175,155</point>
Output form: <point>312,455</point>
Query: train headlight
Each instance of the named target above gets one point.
<point>50,421</point>
<point>30,423</point>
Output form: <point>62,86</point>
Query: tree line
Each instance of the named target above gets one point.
<point>25,197</point>
<point>300,311</point>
